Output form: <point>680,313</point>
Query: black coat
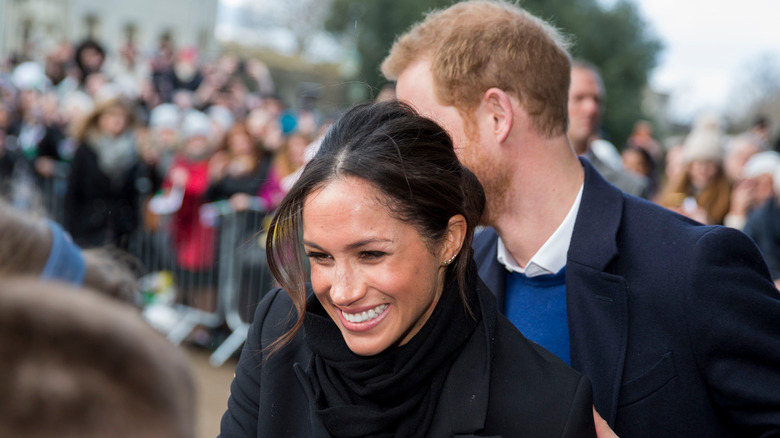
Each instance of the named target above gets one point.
<point>500,385</point>
<point>96,213</point>
<point>676,324</point>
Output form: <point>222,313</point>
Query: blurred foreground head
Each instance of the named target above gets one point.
<point>78,364</point>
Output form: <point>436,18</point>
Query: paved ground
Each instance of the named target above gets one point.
<point>213,389</point>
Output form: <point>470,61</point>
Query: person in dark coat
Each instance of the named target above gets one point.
<point>395,335</point>
<point>101,204</point>
<point>763,226</point>
<point>674,323</point>
<point>237,170</point>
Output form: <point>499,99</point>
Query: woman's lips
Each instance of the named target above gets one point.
<point>365,320</point>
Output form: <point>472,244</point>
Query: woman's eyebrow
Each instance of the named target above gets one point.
<point>352,245</point>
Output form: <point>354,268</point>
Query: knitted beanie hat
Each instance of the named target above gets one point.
<point>705,142</point>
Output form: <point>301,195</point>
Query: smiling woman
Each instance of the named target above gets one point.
<point>395,335</point>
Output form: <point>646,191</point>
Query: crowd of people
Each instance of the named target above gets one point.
<point>103,135</point>
<point>116,148</point>
<point>647,316</point>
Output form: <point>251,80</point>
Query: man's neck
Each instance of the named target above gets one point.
<point>544,186</point>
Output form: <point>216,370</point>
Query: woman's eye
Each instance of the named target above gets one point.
<point>372,255</point>
<point>317,256</point>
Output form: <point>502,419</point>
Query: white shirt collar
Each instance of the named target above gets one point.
<point>551,257</point>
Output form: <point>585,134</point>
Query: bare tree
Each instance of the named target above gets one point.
<point>756,93</point>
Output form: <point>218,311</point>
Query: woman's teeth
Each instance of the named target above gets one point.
<point>365,316</point>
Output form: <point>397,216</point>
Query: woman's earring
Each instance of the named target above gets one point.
<point>447,263</point>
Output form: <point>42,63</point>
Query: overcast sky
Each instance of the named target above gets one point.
<point>710,48</point>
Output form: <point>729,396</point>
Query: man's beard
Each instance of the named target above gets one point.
<point>491,173</point>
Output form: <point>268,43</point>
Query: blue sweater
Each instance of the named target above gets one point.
<point>537,307</point>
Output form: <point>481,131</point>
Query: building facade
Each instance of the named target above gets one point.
<point>32,27</point>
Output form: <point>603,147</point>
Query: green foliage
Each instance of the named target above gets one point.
<point>616,39</point>
<point>375,24</point>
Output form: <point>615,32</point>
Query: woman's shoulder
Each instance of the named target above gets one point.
<point>275,306</point>
<point>527,378</point>
<point>515,353</point>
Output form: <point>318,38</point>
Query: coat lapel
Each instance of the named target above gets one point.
<point>596,299</point>
<point>492,273</point>
<point>463,405</point>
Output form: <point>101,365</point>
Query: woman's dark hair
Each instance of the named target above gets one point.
<point>409,159</point>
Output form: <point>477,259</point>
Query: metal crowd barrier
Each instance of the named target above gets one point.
<point>244,277</point>
<point>29,191</point>
<point>53,190</point>
<point>232,273</point>
<point>233,277</point>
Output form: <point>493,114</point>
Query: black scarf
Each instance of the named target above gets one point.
<point>393,393</point>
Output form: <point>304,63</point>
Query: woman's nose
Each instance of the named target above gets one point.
<point>346,287</point>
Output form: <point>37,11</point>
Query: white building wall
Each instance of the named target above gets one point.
<point>190,22</point>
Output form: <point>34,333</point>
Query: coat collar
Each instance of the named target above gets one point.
<point>594,241</point>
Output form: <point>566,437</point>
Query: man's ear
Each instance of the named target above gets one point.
<point>498,106</point>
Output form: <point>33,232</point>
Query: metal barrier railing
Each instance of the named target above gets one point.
<point>45,195</point>
<point>245,276</point>
<point>205,275</point>
<point>53,191</point>
<point>233,274</point>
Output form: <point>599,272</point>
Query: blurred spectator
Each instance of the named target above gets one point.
<point>57,62</point>
<point>259,72</point>
<point>639,161</point>
<point>760,132</point>
<point>763,226</point>
<point>674,165</point>
<point>101,204</point>
<point>89,58</point>
<point>586,100</point>
<point>741,148</point>
<point>34,132</point>
<point>162,141</point>
<point>127,71</point>
<point>76,364</point>
<point>185,187</point>
<point>642,137</point>
<point>162,70</point>
<point>281,175</point>
<point>6,164</point>
<point>753,189</point>
<point>760,169</point>
<point>703,191</point>
<point>222,119</point>
<point>265,130</point>
<point>237,170</point>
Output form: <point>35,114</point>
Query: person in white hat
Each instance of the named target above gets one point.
<point>763,226</point>
<point>753,189</point>
<point>703,191</point>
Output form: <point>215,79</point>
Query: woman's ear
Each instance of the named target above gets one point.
<point>453,237</point>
